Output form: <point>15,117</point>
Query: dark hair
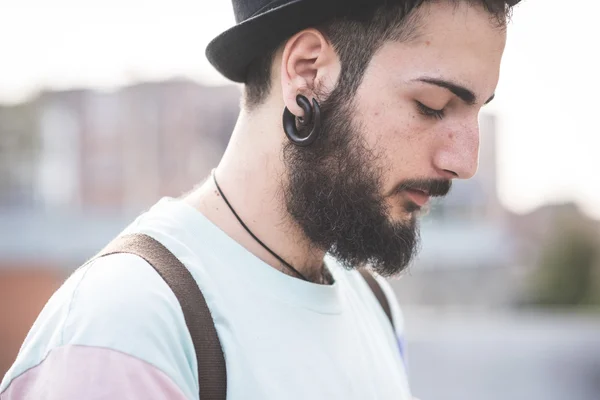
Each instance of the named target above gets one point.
<point>357,37</point>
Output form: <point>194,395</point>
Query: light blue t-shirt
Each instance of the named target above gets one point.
<point>283,338</point>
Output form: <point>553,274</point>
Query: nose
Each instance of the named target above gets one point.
<point>458,154</point>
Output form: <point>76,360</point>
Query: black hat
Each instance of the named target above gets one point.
<point>264,24</point>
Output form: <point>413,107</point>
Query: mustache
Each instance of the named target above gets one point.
<point>433,187</point>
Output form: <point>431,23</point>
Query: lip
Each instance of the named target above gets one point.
<point>418,197</point>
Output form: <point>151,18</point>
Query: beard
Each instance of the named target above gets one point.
<point>333,192</point>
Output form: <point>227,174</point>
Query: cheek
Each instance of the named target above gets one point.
<point>395,132</point>
<point>399,134</point>
<point>387,118</point>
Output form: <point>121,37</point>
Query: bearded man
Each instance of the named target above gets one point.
<point>355,113</point>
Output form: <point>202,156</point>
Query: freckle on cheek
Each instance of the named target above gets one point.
<point>451,135</point>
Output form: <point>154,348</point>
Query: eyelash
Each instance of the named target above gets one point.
<point>430,112</point>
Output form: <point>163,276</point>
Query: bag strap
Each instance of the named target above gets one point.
<point>212,374</point>
<point>378,292</point>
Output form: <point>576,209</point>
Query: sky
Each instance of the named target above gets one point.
<point>547,100</point>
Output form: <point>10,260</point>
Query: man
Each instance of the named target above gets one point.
<point>380,104</point>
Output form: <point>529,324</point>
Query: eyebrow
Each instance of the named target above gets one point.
<point>461,92</point>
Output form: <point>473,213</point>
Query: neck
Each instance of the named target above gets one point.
<point>251,175</point>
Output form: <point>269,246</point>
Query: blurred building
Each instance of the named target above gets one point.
<point>125,149</point>
<point>537,227</point>
<point>19,143</point>
<point>560,246</point>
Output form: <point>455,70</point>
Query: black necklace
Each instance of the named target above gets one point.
<point>281,260</point>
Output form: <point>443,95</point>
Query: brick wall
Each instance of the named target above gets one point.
<point>24,289</point>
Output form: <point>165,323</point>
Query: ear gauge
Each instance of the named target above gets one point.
<point>312,115</point>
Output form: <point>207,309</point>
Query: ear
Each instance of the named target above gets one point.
<point>308,62</point>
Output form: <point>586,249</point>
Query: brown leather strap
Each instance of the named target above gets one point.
<point>378,292</point>
<point>212,375</point>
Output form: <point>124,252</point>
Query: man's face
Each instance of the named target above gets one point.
<point>404,83</point>
<point>410,129</point>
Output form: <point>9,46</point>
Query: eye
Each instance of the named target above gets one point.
<point>429,112</point>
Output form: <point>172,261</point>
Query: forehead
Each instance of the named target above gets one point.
<point>458,41</point>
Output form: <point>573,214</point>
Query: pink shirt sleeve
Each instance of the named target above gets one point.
<point>83,372</point>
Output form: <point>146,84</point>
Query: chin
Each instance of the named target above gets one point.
<point>404,211</point>
<point>403,216</point>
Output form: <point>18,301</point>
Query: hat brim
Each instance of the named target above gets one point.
<point>233,50</point>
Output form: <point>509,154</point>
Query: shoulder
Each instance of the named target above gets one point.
<point>118,302</point>
<point>368,298</point>
<point>118,294</point>
<point>397,315</point>
<point>354,279</point>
